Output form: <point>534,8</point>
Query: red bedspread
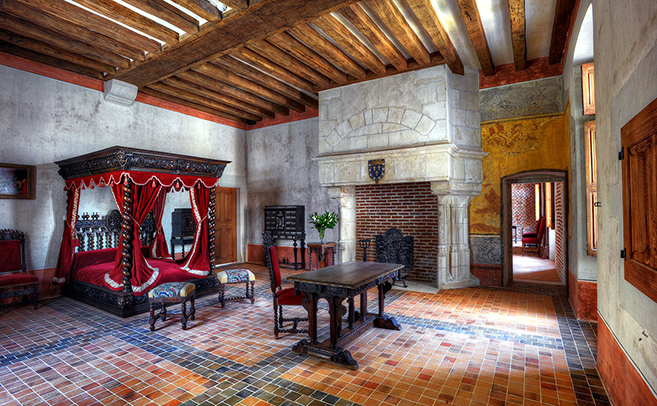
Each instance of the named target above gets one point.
<point>91,267</point>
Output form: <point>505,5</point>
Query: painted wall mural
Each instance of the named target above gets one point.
<point>513,146</point>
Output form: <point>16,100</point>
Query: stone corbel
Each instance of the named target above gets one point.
<point>346,197</point>
<point>120,93</point>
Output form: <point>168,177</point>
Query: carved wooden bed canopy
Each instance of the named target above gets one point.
<point>139,180</point>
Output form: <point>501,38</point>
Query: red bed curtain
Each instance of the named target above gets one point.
<point>198,262</point>
<point>143,200</point>
<point>69,239</point>
<point>160,248</point>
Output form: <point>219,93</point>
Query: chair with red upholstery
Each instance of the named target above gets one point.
<point>534,240</point>
<point>12,260</point>
<point>281,297</point>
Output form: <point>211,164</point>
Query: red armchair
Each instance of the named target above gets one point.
<point>534,239</point>
<point>12,259</point>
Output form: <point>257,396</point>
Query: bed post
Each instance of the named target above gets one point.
<point>126,231</point>
<point>211,231</point>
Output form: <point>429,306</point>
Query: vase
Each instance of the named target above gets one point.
<point>321,232</point>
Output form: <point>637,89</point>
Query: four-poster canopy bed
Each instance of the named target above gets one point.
<point>117,272</point>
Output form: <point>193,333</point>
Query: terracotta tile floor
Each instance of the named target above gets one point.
<point>528,268</point>
<point>477,346</point>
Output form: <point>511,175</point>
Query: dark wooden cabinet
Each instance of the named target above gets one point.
<point>183,227</point>
<point>288,223</point>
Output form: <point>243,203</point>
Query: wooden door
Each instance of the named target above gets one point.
<point>226,225</point>
<point>639,141</point>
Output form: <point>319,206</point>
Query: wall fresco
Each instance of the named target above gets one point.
<point>513,146</point>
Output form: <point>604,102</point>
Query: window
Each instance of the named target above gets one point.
<point>639,143</point>
<point>591,190</point>
<point>588,86</point>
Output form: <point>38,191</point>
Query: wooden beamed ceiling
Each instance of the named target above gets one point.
<point>249,60</point>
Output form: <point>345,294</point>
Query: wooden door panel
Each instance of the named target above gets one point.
<point>226,225</point>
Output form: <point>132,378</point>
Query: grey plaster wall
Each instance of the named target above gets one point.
<point>281,172</point>
<point>44,120</point>
<point>583,266</point>
<point>626,81</point>
<point>543,96</point>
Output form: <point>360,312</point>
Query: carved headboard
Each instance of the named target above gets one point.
<point>96,232</point>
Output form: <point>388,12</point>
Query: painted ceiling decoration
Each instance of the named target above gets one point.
<point>249,60</point>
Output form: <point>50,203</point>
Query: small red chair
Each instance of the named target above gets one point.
<point>12,259</point>
<point>534,239</point>
<point>281,297</point>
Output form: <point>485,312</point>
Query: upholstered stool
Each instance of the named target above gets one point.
<point>172,293</point>
<point>231,276</point>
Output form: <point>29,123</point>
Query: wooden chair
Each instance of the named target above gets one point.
<point>12,259</point>
<point>281,297</point>
<point>534,240</point>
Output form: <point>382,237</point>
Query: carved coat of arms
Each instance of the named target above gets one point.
<point>376,169</point>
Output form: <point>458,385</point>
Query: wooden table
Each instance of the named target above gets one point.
<point>323,252</point>
<point>335,284</point>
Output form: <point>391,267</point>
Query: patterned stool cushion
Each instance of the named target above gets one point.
<point>172,289</point>
<point>235,276</point>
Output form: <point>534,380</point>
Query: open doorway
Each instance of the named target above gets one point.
<point>534,224</point>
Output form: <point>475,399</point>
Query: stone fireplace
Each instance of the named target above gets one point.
<point>425,124</point>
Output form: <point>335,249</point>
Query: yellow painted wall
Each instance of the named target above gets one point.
<point>513,146</point>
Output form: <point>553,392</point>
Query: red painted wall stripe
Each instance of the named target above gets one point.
<point>625,385</point>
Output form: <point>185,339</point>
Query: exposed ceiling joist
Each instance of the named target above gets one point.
<point>425,12</point>
<point>202,90</point>
<point>256,23</point>
<point>168,13</point>
<point>297,99</point>
<point>350,43</point>
<point>239,5</point>
<point>275,70</point>
<point>562,18</point>
<point>470,14</point>
<point>202,8</point>
<point>394,19</point>
<point>291,45</point>
<point>364,23</point>
<point>518,38</point>
<point>314,39</point>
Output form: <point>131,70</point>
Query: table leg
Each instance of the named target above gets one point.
<point>312,318</point>
<point>382,320</point>
<point>351,312</point>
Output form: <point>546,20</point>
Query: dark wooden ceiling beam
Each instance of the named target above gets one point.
<point>518,38</point>
<point>254,59</point>
<point>206,75</point>
<point>182,102</point>
<point>425,12</point>
<point>203,101</point>
<point>53,38</point>
<point>436,59</point>
<point>269,82</point>
<point>239,5</point>
<point>131,18</point>
<point>201,8</point>
<point>291,45</point>
<point>201,90</point>
<point>276,55</point>
<point>350,43</point>
<point>256,23</point>
<point>308,35</point>
<point>168,13</point>
<point>396,22</point>
<point>560,28</point>
<point>79,16</point>
<point>47,49</point>
<point>470,14</point>
<point>364,23</point>
<point>63,27</point>
<point>221,74</point>
<point>49,60</point>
